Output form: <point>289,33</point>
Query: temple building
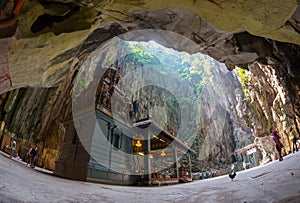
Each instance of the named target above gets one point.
<point>115,151</point>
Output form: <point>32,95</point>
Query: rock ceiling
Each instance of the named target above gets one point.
<point>52,33</point>
<point>53,36</point>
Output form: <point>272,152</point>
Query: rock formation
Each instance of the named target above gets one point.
<point>41,60</point>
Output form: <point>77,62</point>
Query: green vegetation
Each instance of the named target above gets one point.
<point>83,82</point>
<point>194,68</point>
<point>141,56</point>
<point>241,73</point>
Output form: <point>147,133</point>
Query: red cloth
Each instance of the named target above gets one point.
<point>18,6</point>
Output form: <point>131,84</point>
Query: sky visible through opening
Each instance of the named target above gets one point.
<point>185,94</point>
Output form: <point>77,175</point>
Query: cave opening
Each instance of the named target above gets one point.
<point>151,99</point>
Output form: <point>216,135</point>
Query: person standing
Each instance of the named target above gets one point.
<point>13,148</point>
<point>33,156</point>
<point>293,137</point>
<point>29,157</point>
<point>275,137</point>
<point>232,173</point>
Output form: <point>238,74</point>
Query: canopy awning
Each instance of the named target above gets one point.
<point>250,146</point>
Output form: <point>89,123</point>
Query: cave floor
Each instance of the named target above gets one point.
<point>273,182</point>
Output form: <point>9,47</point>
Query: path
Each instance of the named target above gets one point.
<point>274,182</point>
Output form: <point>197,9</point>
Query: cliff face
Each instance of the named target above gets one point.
<point>274,97</point>
<point>55,37</point>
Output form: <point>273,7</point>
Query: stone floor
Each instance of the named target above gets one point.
<point>274,182</point>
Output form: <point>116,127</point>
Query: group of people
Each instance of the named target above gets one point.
<point>32,156</point>
<point>276,138</point>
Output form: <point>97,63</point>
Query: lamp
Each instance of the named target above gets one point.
<point>163,153</point>
<point>141,153</point>
<point>138,143</point>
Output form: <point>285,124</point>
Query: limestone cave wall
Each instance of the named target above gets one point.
<point>54,37</point>
<point>273,96</point>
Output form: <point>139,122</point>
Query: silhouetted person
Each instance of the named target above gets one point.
<point>33,156</point>
<point>232,174</point>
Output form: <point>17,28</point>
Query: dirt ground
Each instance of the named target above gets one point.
<point>274,182</point>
